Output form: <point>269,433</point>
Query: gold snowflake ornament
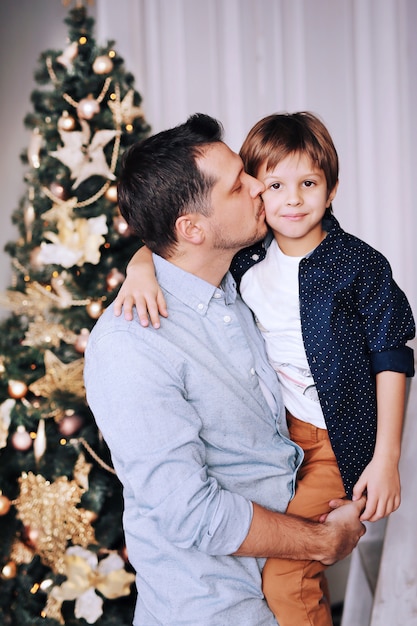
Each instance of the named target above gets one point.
<point>50,511</point>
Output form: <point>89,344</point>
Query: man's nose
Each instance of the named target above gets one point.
<point>256,186</point>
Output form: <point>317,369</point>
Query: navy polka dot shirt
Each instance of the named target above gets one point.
<point>355,322</point>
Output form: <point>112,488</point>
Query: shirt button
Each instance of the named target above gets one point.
<point>200,306</point>
<point>227,319</point>
<point>217,294</point>
<point>252,371</point>
<point>255,257</point>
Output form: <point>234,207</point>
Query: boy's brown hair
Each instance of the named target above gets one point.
<point>276,136</point>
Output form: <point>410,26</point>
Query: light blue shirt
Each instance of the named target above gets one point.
<point>193,417</point>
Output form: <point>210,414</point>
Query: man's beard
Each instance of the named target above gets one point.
<point>222,242</point>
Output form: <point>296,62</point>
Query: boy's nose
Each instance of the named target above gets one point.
<point>293,197</point>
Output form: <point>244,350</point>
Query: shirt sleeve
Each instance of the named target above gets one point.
<point>153,430</point>
<point>387,317</point>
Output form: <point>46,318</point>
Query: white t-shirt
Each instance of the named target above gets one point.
<point>270,289</point>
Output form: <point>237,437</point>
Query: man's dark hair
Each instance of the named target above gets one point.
<point>160,181</point>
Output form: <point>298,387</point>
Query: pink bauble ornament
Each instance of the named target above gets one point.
<point>9,571</point>
<point>21,440</point>
<point>87,108</point>
<point>94,309</point>
<point>5,505</point>
<point>102,65</point>
<point>66,122</point>
<point>35,261</point>
<point>80,343</point>
<point>30,536</point>
<point>70,423</point>
<point>58,190</point>
<point>121,226</point>
<point>114,279</point>
<point>17,389</point>
<point>111,193</point>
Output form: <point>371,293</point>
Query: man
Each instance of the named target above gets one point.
<point>192,412</point>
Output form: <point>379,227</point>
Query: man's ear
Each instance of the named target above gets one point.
<point>190,229</point>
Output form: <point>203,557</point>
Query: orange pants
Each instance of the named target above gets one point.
<point>296,591</point>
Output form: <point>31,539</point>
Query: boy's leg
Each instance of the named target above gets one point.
<point>296,591</point>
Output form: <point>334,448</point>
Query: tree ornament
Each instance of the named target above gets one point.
<point>81,341</point>
<point>31,537</point>
<point>121,226</point>
<point>114,278</point>
<point>78,241</point>
<point>43,333</point>
<point>58,191</point>
<point>29,215</point>
<point>17,389</point>
<point>21,552</point>
<point>66,122</point>
<point>91,515</point>
<point>9,571</point>
<point>81,472</point>
<point>34,148</point>
<point>102,65</point>
<point>94,309</point>
<point>60,377</point>
<point>86,574</point>
<point>34,258</point>
<point>87,108</point>
<point>39,445</point>
<point>111,193</point>
<point>125,110</point>
<point>21,440</point>
<point>70,423</point>
<point>5,504</point>
<point>51,509</point>
<point>85,158</point>
<point>67,57</point>
<point>6,408</point>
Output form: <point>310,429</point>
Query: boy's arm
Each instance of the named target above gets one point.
<point>380,479</point>
<point>142,290</point>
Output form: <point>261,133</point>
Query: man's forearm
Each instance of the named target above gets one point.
<point>286,536</point>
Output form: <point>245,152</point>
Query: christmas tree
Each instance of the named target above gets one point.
<point>62,553</point>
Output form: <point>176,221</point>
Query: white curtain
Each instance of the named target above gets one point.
<point>353,62</point>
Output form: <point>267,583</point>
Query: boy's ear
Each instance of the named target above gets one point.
<point>332,194</point>
<point>190,229</point>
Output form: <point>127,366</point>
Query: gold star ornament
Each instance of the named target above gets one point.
<point>125,111</point>
<point>59,376</point>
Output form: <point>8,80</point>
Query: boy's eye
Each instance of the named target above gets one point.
<point>275,186</point>
<point>309,183</point>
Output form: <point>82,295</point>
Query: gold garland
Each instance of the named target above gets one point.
<point>93,454</point>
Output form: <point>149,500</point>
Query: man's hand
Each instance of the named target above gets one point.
<point>344,529</point>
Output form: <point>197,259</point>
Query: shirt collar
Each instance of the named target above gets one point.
<point>189,289</point>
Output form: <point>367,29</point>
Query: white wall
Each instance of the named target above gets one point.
<point>351,61</point>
